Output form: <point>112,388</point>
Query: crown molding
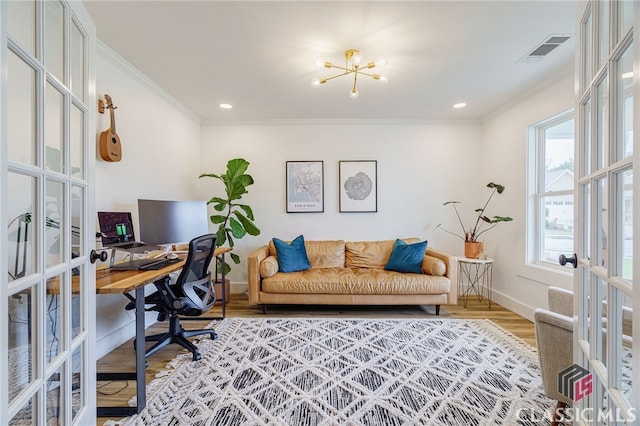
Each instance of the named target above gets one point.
<point>341,121</point>
<point>113,57</point>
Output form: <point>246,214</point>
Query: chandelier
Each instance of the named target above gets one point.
<point>352,66</point>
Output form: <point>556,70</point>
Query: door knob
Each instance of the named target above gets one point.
<point>563,260</point>
<point>94,255</point>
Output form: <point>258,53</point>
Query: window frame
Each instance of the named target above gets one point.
<point>536,191</point>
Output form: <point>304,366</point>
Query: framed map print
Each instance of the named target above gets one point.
<point>358,186</point>
<point>305,186</point>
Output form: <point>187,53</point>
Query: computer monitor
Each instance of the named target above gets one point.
<point>115,227</point>
<point>172,222</point>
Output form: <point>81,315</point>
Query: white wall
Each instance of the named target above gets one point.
<point>517,286</point>
<point>420,166</point>
<point>160,146</point>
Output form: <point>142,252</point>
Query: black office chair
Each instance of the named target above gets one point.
<point>191,295</point>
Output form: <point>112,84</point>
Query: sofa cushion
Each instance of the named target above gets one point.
<point>291,257</point>
<point>325,254</point>
<point>269,267</point>
<point>321,254</point>
<point>368,254</point>
<point>406,257</point>
<point>355,281</point>
<point>434,266</point>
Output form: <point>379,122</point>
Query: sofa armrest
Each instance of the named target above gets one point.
<point>451,262</point>
<point>254,260</point>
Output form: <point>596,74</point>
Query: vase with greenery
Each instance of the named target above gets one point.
<point>483,223</point>
<point>235,220</point>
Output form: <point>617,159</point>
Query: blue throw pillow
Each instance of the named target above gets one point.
<point>407,257</point>
<point>291,257</point>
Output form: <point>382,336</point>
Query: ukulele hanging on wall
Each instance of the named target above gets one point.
<point>110,148</point>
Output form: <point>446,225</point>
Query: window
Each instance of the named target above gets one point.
<point>551,182</point>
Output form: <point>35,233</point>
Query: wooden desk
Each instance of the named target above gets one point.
<point>109,281</point>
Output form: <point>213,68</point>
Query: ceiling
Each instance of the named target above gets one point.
<point>259,55</point>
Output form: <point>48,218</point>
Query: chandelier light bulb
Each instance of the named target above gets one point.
<point>357,57</point>
<point>354,94</point>
<point>381,62</point>
<point>315,82</point>
<point>318,63</point>
<point>383,79</point>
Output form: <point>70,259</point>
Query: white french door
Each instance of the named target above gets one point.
<point>47,290</point>
<point>608,217</point>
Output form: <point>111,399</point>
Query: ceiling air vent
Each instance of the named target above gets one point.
<point>544,48</point>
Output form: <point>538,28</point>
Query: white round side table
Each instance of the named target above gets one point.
<point>474,276</point>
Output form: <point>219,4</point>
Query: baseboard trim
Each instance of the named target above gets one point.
<point>514,305</point>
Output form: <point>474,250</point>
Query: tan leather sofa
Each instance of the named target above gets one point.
<point>352,273</point>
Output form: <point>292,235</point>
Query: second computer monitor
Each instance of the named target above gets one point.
<point>171,222</point>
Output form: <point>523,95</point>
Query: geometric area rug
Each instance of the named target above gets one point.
<point>312,371</point>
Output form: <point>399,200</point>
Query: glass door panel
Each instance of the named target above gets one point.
<point>603,33</point>
<point>54,399</point>
<point>624,225</point>
<point>21,110</point>
<point>77,61</point>
<point>602,222</point>
<point>585,146</point>
<point>22,230</point>
<point>77,225</point>
<point>587,51</point>
<point>624,101</point>
<point>77,382</point>
<point>76,141</point>
<point>25,416</point>
<point>54,129</point>
<point>598,321</point>
<point>53,317</point>
<point>54,38</point>
<point>625,17</point>
<point>21,24</point>
<point>77,321</point>
<point>21,318</point>
<point>585,250</point>
<point>602,124</point>
<point>54,222</point>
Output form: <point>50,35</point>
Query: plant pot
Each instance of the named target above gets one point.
<point>472,250</point>
<point>218,289</point>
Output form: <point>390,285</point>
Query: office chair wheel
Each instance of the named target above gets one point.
<point>197,356</point>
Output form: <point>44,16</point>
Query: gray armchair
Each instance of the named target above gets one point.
<point>554,336</point>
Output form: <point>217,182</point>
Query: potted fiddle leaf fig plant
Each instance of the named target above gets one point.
<point>234,220</point>
<point>473,247</point>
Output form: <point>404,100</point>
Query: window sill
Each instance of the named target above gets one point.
<point>546,275</point>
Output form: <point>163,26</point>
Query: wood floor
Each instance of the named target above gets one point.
<point>123,358</point>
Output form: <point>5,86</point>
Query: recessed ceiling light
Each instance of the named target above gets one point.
<point>460,105</point>
<point>226,106</point>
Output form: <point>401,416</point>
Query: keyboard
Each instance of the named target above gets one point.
<point>159,264</point>
<point>129,245</point>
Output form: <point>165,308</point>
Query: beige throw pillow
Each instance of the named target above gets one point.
<point>269,267</point>
<point>434,266</point>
